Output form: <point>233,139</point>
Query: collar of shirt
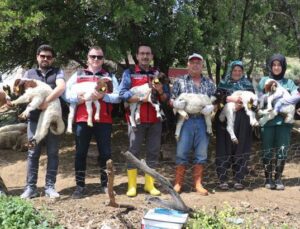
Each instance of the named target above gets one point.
<point>137,69</point>
<point>42,73</point>
<point>101,72</point>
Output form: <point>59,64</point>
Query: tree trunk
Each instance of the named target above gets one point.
<point>208,69</point>
<point>294,21</point>
<point>241,46</point>
<point>218,65</point>
<point>250,69</point>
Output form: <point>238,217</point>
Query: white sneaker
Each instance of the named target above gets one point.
<point>29,193</point>
<point>51,193</point>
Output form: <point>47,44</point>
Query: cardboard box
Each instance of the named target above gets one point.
<point>161,218</point>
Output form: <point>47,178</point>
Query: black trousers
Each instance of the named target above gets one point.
<point>230,155</point>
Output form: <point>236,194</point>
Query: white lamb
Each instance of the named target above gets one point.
<point>87,89</point>
<point>249,102</point>
<point>35,92</point>
<point>194,105</point>
<point>142,91</point>
<point>274,92</point>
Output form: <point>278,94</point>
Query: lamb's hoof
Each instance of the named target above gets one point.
<point>261,112</point>
<point>138,121</point>
<point>235,141</point>
<point>69,132</point>
<point>177,138</point>
<point>22,117</point>
<point>221,119</point>
<point>262,122</point>
<point>255,124</point>
<point>210,133</point>
<point>289,121</point>
<point>32,143</point>
<point>90,124</point>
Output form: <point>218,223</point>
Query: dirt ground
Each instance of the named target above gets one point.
<point>263,208</point>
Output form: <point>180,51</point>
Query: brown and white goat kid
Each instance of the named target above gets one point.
<point>249,102</point>
<point>152,97</point>
<point>273,91</point>
<point>194,105</point>
<point>87,89</point>
<point>34,92</point>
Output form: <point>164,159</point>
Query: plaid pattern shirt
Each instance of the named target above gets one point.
<point>185,84</point>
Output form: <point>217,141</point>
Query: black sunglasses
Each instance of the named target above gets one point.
<point>95,57</point>
<point>47,57</point>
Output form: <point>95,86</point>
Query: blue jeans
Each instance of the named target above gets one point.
<point>84,133</point>
<point>193,136</point>
<point>52,145</point>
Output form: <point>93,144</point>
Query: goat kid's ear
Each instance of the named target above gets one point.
<point>29,83</point>
<point>17,86</point>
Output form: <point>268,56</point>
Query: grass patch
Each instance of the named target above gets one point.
<point>16,213</point>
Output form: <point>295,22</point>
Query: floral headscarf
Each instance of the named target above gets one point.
<point>231,85</point>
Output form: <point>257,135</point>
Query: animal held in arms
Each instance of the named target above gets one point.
<point>34,92</point>
<point>249,103</point>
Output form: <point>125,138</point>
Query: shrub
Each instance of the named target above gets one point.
<point>216,219</point>
<point>19,214</point>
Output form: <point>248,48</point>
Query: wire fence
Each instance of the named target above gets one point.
<point>252,169</point>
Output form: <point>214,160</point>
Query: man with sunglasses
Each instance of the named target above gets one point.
<point>55,78</point>
<point>101,128</point>
<point>150,126</point>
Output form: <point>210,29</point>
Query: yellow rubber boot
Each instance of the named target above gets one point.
<point>149,186</point>
<point>131,173</point>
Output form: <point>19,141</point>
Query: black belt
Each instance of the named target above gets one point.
<point>198,115</point>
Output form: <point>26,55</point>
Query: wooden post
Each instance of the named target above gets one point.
<point>177,203</point>
<point>110,187</point>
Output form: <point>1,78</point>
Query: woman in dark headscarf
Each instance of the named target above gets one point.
<point>229,154</point>
<point>275,133</point>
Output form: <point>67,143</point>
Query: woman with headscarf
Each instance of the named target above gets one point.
<point>229,154</point>
<point>275,133</point>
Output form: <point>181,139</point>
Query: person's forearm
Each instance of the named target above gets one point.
<point>133,99</point>
<point>57,91</point>
<point>112,98</point>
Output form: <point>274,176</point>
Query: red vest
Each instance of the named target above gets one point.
<point>139,77</point>
<point>106,108</point>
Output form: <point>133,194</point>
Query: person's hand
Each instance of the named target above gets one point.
<point>207,109</point>
<point>237,100</point>
<point>158,87</point>
<point>234,99</point>
<point>179,104</point>
<point>146,97</point>
<point>9,103</point>
<point>81,99</point>
<point>97,95</point>
<point>44,105</point>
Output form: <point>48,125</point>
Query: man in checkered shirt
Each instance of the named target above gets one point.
<point>193,133</point>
